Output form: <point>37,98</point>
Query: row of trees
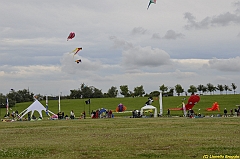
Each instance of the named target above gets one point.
<point>91,92</point>
<point>202,89</point>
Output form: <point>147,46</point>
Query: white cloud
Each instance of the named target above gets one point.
<point>225,65</point>
<point>145,57</point>
<point>117,45</point>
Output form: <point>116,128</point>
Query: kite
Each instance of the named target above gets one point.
<point>75,51</point>
<point>71,35</point>
<point>214,107</point>
<point>193,100</point>
<point>121,108</point>
<point>77,61</point>
<point>151,1</point>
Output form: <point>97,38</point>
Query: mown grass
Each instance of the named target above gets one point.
<point>118,138</point>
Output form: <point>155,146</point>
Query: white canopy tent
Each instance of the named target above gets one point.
<point>35,106</point>
<point>149,107</point>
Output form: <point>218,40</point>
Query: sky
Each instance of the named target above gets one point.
<point>187,42</point>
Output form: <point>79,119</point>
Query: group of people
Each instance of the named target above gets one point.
<point>102,113</point>
<point>60,115</point>
<point>235,113</point>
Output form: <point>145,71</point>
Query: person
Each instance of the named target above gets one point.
<point>29,116</point>
<point>231,112</point>
<point>225,112</point>
<point>84,115</point>
<point>199,115</point>
<point>134,113</point>
<point>110,114</point>
<point>168,112</point>
<point>235,112</point>
<point>72,115</point>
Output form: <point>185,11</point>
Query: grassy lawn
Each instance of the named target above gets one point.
<point>78,105</point>
<point>121,138</point>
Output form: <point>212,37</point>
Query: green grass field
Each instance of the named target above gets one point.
<point>122,137</point>
<point>78,105</point>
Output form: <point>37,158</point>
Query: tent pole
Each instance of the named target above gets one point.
<point>160,104</point>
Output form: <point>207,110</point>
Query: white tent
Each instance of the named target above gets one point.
<point>149,107</point>
<point>35,106</point>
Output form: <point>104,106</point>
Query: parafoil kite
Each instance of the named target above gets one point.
<point>77,61</point>
<point>151,1</point>
<point>75,51</point>
<point>71,35</point>
<point>193,100</point>
<point>214,107</point>
<point>121,108</point>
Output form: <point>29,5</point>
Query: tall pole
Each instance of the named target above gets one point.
<point>184,109</point>
<point>59,105</point>
<point>160,103</point>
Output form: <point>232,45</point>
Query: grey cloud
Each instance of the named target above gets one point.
<point>156,36</point>
<point>219,20</point>
<point>138,56</point>
<point>238,35</point>
<point>138,30</point>
<point>225,19</point>
<point>237,4</point>
<point>172,35</point>
<point>120,43</point>
<point>192,23</point>
<point>225,65</point>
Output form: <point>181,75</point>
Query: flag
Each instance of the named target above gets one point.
<point>87,101</point>
<point>7,105</point>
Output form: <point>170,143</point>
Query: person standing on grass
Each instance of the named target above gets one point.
<point>72,114</point>
<point>168,113</point>
<point>225,112</point>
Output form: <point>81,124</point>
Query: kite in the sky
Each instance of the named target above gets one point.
<point>77,61</point>
<point>151,1</point>
<point>71,35</point>
<point>75,51</point>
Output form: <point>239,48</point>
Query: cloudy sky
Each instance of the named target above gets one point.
<point>187,42</point>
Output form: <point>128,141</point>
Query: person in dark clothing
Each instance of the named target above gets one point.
<point>225,112</point>
<point>168,113</point>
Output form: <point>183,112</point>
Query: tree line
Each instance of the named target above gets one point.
<point>85,91</point>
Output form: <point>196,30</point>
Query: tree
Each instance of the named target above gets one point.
<point>210,88</point>
<point>234,87</point>
<point>170,92</point>
<point>139,91</point>
<point>220,88</point>
<point>200,88</point>
<point>86,91</point>
<point>124,91</point>
<point>154,94</point>
<point>112,92</point>
<point>179,89</point>
<point>192,89</point>
<point>2,100</point>
<point>163,88</point>
<point>226,88</point>
<point>24,96</point>
<point>97,93</point>
<point>75,94</point>
<point>204,89</point>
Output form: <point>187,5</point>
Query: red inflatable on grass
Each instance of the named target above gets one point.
<point>193,99</point>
